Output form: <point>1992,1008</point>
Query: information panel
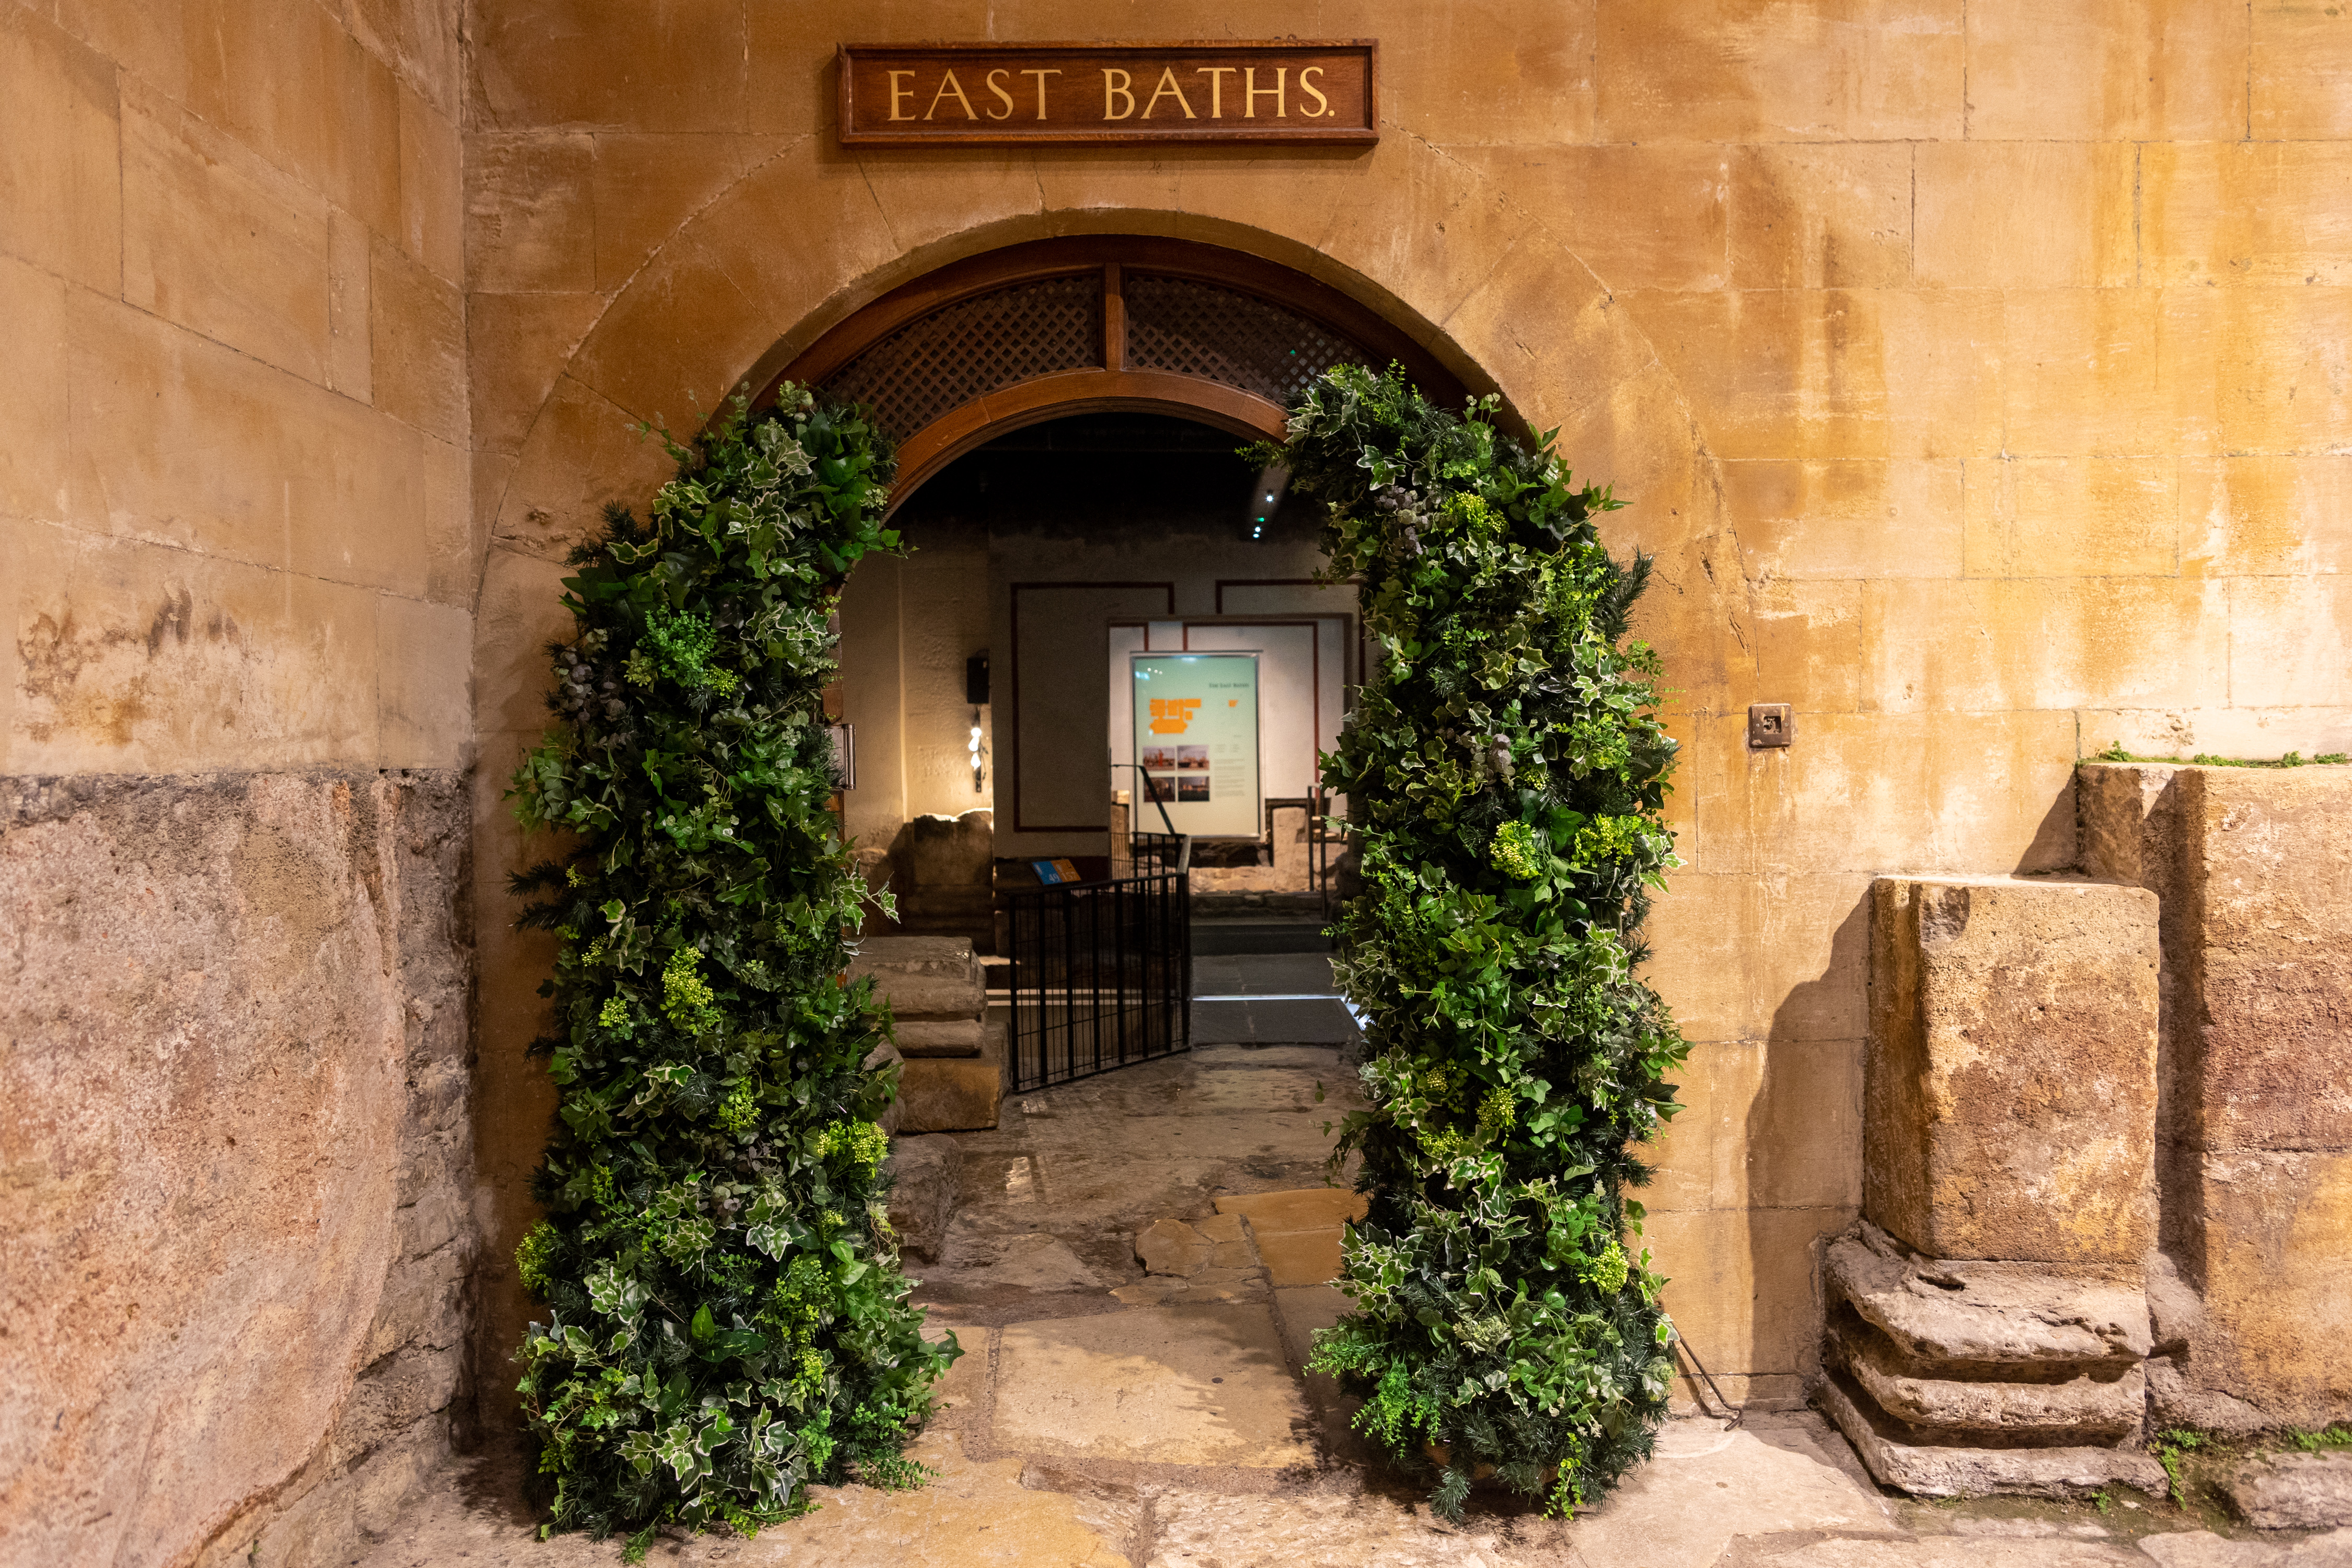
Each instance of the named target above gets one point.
<point>1196,742</point>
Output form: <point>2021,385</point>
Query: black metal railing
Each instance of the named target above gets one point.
<point>1101,974</point>
<point>1150,852</point>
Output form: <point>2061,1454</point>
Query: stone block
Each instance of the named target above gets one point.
<point>1935,1470</point>
<point>2270,515</point>
<point>2010,1091</point>
<point>286,79</point>
<point>516,346</point>
<point>216,240</point>
<point>2083,375</point>
<point>1835,519</point>
<point>646,187</point>
<point>1682,193</point>
<point>275,933</point>
<point>925,1182</point>
<point>33,399</point>
<point>1177,1384</point>
<point>1884,71</point>
<point>2073,517</point>
<point>2246,212</point>
<point>2271,1234</point>
<point>2295,73</point>
<point>940,1037</point>
<point>60,152</point>
<point>2133,72</point>
<point>1741,1285</point>
<point>432,186</point>
<point>424,664</point>
<point>680,68</point>
<point>1833,216</point>
<point>1171,1246</point>
<point>2293,1491</point>
<point>1980,1313</point>
<point>350,320</point>
<point>2033,215</point>
<point>950,1094</point>
<point>923,977</point>
<point>418,348</point>
<point>531,224</point>
<point>2270,858</point>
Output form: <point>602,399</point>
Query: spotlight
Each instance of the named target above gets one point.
<point>1271,483</point>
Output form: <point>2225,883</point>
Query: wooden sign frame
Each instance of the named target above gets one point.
<point>996,120</point>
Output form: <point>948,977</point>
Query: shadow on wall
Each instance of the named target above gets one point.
<point>1803,1151</point>
<point>1801,1182</point>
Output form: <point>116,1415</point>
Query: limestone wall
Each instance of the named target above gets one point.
<point>1976,371</point>
<point>236,581</point>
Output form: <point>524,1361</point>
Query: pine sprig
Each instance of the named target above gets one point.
<point>1506,771</point>
<point>725,1321</point>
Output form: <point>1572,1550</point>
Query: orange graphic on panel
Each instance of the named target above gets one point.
<point>1171,715</point>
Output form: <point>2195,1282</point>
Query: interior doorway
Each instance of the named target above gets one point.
<point>1066,415</point>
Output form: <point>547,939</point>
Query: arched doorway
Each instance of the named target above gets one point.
<point>1035,360</point>
<point>1095,324</point>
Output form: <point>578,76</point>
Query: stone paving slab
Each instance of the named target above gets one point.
<point>1706,1486</point>
<point>1176,1384</point>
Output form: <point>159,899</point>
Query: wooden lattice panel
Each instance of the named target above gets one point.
<point>1224,335</point>
<point>969,349</point>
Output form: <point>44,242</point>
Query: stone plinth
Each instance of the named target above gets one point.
<point>2254,870</point>
<point>952,1078</point>
<point>2010,1088</point>
<point>1954,1377</point>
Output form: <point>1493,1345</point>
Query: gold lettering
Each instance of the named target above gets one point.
<point>1252,92</point>
<point>1168,89</point>
<point>1217,75</point>
<point>1006,98</point>
<point>1322,104</point>
<point>1041,77</point>
<point>1116,90</point>
<point>948,84</point>
<point>899,94</point>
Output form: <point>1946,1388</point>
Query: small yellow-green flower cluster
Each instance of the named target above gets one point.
<point>862,1141</point>
<point>686,996</point>
<point>1514,852</point>
<point>532,1258</point>
<point>1608,1268</point>
<point>739,1113</point>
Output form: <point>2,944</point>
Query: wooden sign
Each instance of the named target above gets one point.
<point>1004,94</point>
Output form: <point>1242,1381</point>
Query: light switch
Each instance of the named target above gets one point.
<point>1771,724</point>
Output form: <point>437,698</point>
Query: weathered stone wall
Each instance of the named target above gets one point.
<point>2253,1292</point>
<point>236,584</point>
<point>234,1126</point>
<point>1975,370</point>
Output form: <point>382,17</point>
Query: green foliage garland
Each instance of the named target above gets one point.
<point>726,1318</point>
<point>1505,771</point>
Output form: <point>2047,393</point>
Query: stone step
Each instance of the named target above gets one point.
<point>2293,1491</point>
<point>1961,1310</point>
<point>1937,1471</point>
<point>940,1037</point>
<point>923,977</point>
<point>2084,1409</point>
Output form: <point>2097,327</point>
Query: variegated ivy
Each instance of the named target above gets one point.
<point>725,1318</point>
<point>1505,769</point>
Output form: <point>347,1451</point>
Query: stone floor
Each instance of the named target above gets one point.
<point>1115,1418</point>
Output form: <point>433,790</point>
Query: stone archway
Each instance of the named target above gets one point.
<point>1098,323</point>
<point>744,291</point>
